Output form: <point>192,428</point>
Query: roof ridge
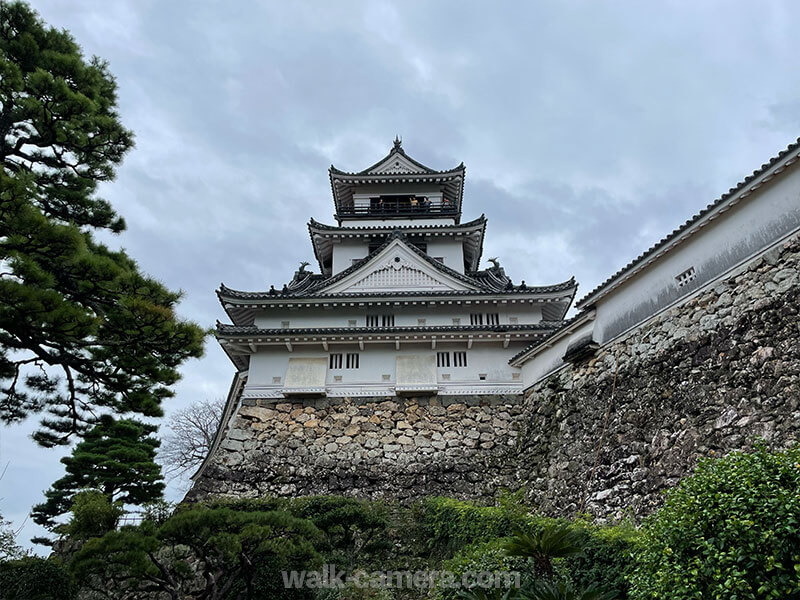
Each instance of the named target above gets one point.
<point>397,149</point>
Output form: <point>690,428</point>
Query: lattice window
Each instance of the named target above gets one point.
<point>684,278</point>
<point>459,359</point>
<point>443,359</point>
<point>387,320</point>
<point>352,360</point>
<point>492,319</point>
<point>476,319</point>
<point>335,361</point>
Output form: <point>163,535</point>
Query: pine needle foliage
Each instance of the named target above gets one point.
<point>82,331</point>
<point>117,458</point>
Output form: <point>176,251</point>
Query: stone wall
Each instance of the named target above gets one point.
<point>606,436</point>
<point>402,448</point>
<point>703,378</point>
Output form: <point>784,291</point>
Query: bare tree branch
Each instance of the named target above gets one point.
<point>189,435</point>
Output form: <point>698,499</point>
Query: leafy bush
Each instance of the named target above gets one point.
<point>34,578</point>
<point>354,593</point>
<point>487,557</point>
<point>93,515</point>
<point>453,524</point>
<point>354,531</point>
<point>607,557</point>
<point>728,531</point>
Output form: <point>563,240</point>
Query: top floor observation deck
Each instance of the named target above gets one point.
<point>399,205</point>
<point>398,187</point>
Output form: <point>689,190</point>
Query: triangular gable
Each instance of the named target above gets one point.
<point>397,268</point>
<point>396,163</point>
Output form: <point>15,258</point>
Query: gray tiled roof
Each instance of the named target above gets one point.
<point>313,224</point>
<point>561,326</point>
<point>398,149</point>
<point>310,286</point>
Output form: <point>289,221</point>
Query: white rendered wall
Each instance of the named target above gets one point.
<point>452,251</point>
<point>377,364</point>
<point>345,252</point>
<point>400,222</point>
<point>737,236</point>
<point>550,359</point>
<point>340,316</point>
<point>751,226</point>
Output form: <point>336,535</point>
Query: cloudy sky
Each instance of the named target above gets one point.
<point>589,130</point>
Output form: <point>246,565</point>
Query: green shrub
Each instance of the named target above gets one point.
<point>34,578</point>
<point>607,558</point>
<point>93,515</point>
<point>731,530</point>
<point>352,592</point>
<point>454,524</point>
<point>488,556</point>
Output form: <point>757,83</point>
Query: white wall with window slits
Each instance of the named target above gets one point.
<point>379,360</point>
<point>755,224</point>
<point>405,316</point>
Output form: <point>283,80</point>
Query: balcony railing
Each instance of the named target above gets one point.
<point>403,206</point>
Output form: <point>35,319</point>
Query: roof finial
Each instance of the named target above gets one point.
<point>398,143</point>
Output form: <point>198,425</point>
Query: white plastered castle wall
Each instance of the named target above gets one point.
<point>487,364</point>
<point>753,225</point>
<point>341,316</point>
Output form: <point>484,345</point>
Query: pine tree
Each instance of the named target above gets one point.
<point>82,331</point>
<point>116,458</point>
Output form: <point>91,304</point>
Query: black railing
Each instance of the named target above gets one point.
<point>400,207</point>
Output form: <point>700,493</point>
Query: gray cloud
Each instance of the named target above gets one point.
<point>589,131</point>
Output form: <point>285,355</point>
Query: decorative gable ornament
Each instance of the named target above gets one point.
<point>397,268</point>
<point>396,163</point>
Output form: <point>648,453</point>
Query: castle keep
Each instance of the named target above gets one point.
<point>402,369</point>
